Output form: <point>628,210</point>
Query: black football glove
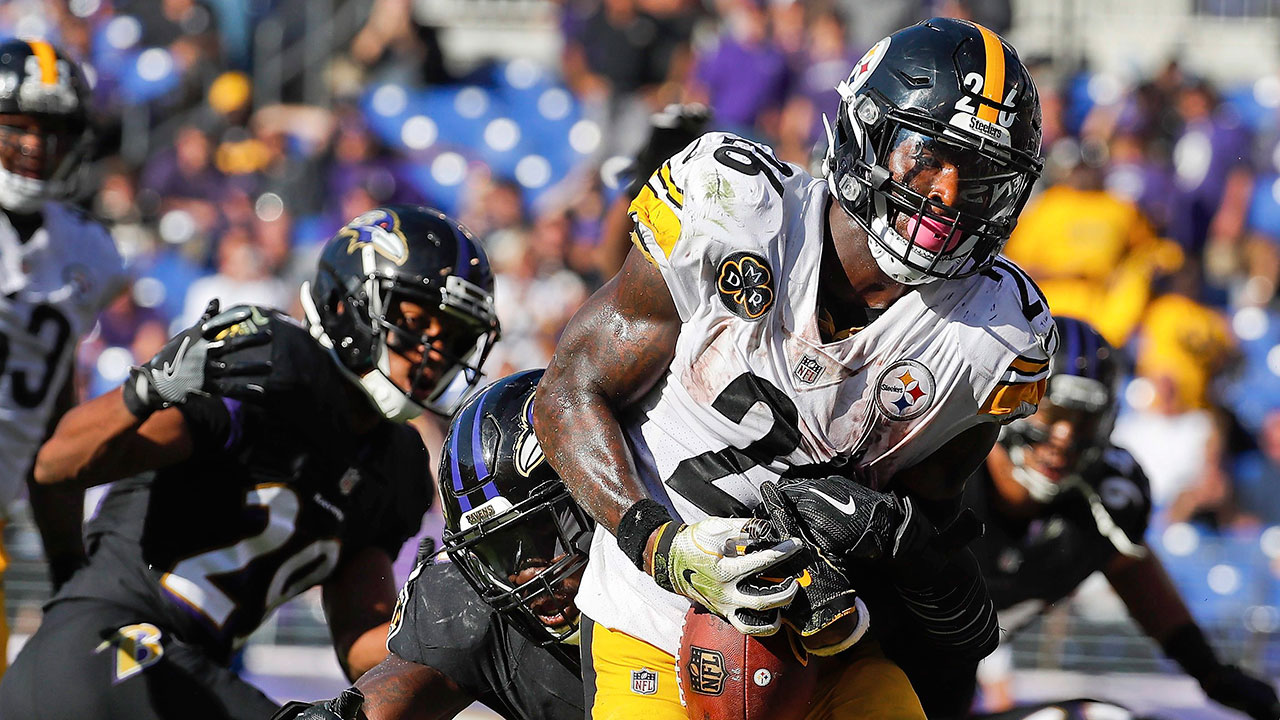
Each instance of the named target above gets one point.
<point>174,373</point>
<point>670,131</point>
<point>257,354</point>
<point>344,707</point>
<point>825,594</point>
<point>1236,689</point>
<point>848,522</point>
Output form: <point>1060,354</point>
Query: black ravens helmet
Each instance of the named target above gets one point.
<point>410,281</point>
<point>943,95</point>
<point>43,124</point>
<point>510,525</point>
<point>1084,376</point>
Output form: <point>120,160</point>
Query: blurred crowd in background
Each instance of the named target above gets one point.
<point>1158,217</point>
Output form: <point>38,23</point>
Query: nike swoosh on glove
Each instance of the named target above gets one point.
<point>825,595</point>
<point>717,562</point>
<point>173,373</point>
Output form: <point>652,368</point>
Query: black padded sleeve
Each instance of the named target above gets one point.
<point>440,622</point>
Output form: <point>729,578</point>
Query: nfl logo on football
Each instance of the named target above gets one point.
<point>644,682</point>
<point>808,370</point>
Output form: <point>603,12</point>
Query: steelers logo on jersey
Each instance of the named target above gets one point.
<point>744,282</point>
<point>905,390</point>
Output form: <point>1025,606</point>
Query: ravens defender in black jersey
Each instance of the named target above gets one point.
<point>253,458</point>
<point>1060,502</point>
<point>498,623</point>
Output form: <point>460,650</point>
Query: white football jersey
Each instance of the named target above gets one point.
<point>51,290</point>
<point>753,391</point>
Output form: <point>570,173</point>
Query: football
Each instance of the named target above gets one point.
<point>725,675</point>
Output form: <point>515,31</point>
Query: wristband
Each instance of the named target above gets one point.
<point>1188,646</point>
<point>637,524</point>
<point>661,554</point>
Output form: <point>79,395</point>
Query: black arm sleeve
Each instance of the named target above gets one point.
<point>951,606</point>
<point>216,423</point>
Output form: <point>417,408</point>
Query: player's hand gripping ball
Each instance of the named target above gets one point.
<point>725,675</point>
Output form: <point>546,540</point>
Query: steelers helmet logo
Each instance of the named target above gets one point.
<point>867,64</point>
<point>745,285</point>
<point>905,390</point>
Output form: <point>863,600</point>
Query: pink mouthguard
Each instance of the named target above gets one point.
<point>932,235</point>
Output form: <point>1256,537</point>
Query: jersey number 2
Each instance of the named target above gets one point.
<point>193,579</point>
<point>693,477</point>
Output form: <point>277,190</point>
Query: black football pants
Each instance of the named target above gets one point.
<point>98,661</point>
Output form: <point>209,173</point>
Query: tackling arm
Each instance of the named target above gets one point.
<point>395,689</point>
<point>59,510</point>
<point>1156,606</point>
<point>101,441</point>
<point>358,599</point>
<point>612,352</point>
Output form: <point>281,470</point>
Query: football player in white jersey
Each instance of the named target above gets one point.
<point>58,268</point>
<point>845,349</point>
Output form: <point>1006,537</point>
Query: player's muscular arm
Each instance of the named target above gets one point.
<point>358,599</point>
<point>101,441</point>
<point>1148,593</point>
<point>397,689</point>
<point>59,509</point>
<point>1155,604</point>
<point>612,352</point>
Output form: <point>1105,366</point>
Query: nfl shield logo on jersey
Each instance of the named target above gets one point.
<point>644,682</point>
<point>808,370</point>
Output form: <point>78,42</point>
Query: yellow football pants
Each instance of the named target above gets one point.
<point>625,678</point>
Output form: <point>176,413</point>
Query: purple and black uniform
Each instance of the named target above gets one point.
<point>445,625</point>
<point>1030,564</point>
<point>187,561</point>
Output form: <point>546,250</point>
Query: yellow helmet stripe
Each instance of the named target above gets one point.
<point>993,81</point>
<point>48,59</point>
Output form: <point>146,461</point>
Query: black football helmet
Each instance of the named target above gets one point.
<point>44,129</point>
<point>396,254</point>
<point>511,526</point>
<point>938,94</point>
<point>1083,388</point>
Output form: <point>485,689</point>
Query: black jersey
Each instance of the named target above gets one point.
<point>263,509</point>
<point>442,623</point>
<point>1043,560</point>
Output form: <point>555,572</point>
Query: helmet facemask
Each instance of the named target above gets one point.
<point>445,345</point>
<point>1088,406</point>
<point>884,165</point>
<point>39,157</point>
<point>525,560</point>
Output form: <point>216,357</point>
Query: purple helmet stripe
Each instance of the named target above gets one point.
<point>453,464</point>
<point>477,448</point>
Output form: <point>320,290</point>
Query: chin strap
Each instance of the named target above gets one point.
<point>385,395</point>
